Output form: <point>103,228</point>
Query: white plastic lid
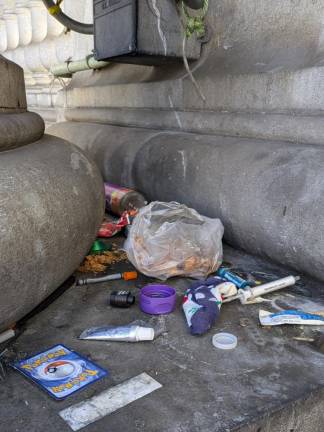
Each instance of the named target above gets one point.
<point>225,341</point>
<point>144,334</point>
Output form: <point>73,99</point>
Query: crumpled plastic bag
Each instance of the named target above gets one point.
<point>170,239</point>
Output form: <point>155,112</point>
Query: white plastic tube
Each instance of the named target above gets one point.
<point>130,333</point>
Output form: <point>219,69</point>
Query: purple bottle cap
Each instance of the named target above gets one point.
<point>157,299</point>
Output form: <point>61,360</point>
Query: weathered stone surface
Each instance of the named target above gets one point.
<point>268,383</point>
<point>51,206</point>
<point>269,195</point>
<point>17,129</point>
<point>12,87</point>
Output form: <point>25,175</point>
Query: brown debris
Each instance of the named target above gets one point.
<point>99,263</point>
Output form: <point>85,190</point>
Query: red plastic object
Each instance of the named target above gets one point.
<point>109,229</point>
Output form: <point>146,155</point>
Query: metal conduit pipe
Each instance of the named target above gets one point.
<point>55,10</point>
<point>66,69</point>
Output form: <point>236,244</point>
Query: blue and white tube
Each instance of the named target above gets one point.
<point>289,317</point>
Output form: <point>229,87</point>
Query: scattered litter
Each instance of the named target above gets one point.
<point>303,339</point>
<point>289,317</point>
<point>317,341</point>
<point>130,333</point>
<point>157,299</point>
<point>196,246</point>
<point>202,303</point>
<point>110,228</point>
<point>122,299</point>
<point>60,371</point>
<point>84,413</point>
<point>98,247</point>
<point>255,300</point>
<point>249,276</point>
<point>99,263</point>
<point>232,277</point>
<point>225,341</point>
<point>116,276</point>
<point>6,335</point>
<point>245,322</point>
<point>120,199</point>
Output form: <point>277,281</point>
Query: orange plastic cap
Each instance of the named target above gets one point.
<point>130,275</point>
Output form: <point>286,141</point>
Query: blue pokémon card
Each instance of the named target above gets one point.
<point>60,371</point>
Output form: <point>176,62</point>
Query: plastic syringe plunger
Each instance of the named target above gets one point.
<point>250,293</point>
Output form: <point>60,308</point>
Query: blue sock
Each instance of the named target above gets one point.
<point>202,304</point>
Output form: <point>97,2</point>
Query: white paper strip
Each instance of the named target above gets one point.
<point>82,414</point>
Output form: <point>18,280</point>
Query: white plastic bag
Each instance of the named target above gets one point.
<point>170,239</point>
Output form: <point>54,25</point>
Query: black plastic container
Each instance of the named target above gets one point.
<point>122,299</point>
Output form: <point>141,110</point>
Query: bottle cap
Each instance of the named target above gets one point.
<point>225,341</point>
<point>144,334</point>
<point>156,299</point>
<point>99,247</point>
<point>130,275</point>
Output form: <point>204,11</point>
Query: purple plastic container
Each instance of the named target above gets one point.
<point>157,299</point>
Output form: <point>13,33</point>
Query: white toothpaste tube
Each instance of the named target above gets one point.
<point>289,317</point>
<point>130,333</point>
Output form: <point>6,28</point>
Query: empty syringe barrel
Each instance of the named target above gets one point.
<point>274,286</point>
<point>251,293</point>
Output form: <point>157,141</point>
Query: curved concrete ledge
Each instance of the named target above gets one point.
<point>269,195</point>
<point>52,204</point>
<point>20,129</point>
<point>294,127</point>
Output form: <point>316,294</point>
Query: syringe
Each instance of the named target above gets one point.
<point>248,294</point>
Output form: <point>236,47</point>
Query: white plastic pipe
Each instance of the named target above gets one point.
<point>68,68</point>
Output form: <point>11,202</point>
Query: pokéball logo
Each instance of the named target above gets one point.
<point>60,370</point>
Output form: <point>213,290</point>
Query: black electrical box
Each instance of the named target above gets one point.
<point>140,32</point>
